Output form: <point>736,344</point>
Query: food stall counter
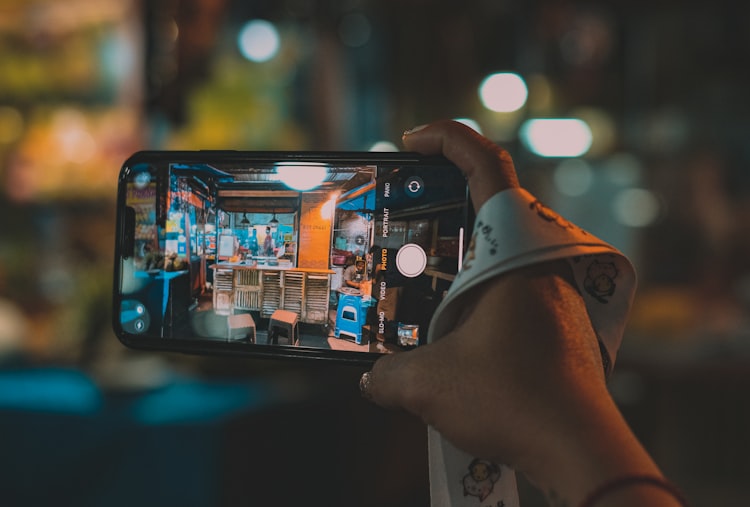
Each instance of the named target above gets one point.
<point>250,285</point>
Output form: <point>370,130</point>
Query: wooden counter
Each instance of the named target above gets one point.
<point>264,288</point>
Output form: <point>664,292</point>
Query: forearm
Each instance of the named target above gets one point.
<point>589,444</point>
<point>602,452</point>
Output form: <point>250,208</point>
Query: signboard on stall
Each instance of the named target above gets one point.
<point>314,232</point>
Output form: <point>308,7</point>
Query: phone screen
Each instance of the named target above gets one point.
<point>318,255</point>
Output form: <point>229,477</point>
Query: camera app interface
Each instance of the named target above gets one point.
<point>346,257</point>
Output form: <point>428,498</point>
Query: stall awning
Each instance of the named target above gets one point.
<point>360,199</point>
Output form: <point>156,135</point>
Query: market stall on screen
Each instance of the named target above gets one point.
<point>344,257</point>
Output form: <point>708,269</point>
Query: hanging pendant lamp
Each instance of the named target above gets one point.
<point>273,222</point>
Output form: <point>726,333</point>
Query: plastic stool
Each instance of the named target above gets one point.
<point>350,318</point>
<point>286,323</point>
<point>241,326</point>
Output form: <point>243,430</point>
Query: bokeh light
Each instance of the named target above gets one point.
<point>603,129</point>
<point>503,92</point>
<point>259,40</point>
<point>556,137</point>
<point>623,169</point>
<point>302,176</point>
<point>541,95</point>
<point>573,177</point>
<point>383,146</point>
<point>636,207</point>
<point>75,142</point>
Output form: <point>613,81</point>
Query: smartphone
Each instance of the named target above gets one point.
<point>341,256</point>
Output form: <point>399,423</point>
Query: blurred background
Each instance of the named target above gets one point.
<point>649,152</point>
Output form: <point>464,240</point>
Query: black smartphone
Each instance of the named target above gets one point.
<point>340,256</point>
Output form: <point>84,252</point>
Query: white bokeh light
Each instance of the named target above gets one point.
<point>302,176</point>
<point>503,92</point>
<point>259,40</point>
<point>603,128</point>
<point>556,137</point>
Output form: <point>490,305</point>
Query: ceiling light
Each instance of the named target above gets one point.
<point>302,176</point>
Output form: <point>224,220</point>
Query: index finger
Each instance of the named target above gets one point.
<point>488,167</point>
<point>408,380</point>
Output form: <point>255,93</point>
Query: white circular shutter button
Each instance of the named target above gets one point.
<point>411,260</point>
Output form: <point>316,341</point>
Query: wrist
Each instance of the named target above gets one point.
<point>593,451</point>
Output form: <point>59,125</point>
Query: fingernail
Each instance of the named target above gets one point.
<point>414,129</point>
<point>365,384</point>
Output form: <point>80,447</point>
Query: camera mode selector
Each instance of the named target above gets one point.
<point>414,186</point>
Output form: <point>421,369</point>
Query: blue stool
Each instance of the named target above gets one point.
<point>350,317</point>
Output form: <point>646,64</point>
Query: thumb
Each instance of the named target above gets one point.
<point>403,380</point>
<point>383,384</point>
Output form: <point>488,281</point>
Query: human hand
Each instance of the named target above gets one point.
<point>519,379</point>
<point>488,168</point>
